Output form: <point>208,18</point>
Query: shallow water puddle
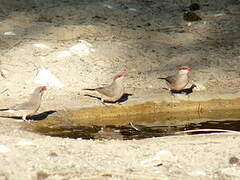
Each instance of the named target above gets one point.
<point>132,131</point>
<point>139,121</point>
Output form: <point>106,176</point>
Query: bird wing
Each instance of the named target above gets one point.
<point>107,90</point>
<point>171,79</point>
<point>23,106</point>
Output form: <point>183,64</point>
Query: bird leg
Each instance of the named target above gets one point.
<point>24,118</point>
<point>119,103</point>
<point>102,101</point>
<point>172,94</point>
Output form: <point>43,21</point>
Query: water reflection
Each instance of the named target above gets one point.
<point>135,131</point>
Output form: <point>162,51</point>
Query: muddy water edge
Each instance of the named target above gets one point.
<point>153,118</point>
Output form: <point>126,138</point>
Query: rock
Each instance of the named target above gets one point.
<point>4,149</point>
<point>41,46</point>
<point>160,157</point>
<point>197,173</point>
<point>63,54</point>
<point>230,173</point>
<point>24,143</point>
<point>234,161</point>
<point>45,77</point>
<point>9,33</point>
<point>107,6</point>
<point>82,49</point>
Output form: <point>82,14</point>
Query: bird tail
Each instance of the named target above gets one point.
<point>7,110</point>
<point>89,89</point>
<point>4,109</point>
<point>162,78</point>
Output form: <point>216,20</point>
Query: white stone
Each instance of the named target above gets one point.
<point>24,143</point>
<point>219,14</point>
<point>43,58</point>
<point>9,33</point>
<point>4,149</point>
<point>197,173</point>
<point>164,155</point>
<point>41,46</point>
<point>63,54</point>
<point>132,9</point>
<point>45,77</point>
<point>82,49</point>
<point>231,173</point>
<point>160,157</point>
<point>107,6</point>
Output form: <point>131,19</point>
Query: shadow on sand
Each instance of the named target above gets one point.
<point>121,100</point>
<point>37,117</point>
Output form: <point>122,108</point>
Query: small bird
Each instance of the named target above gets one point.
<point>29,107</point>
<point>112,92</point>
<point>178,81</point>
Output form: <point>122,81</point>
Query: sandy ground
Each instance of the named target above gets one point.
<point>32,156</point>
<point>148,39</point>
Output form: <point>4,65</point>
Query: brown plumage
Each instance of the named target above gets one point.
<point>191,16</point>
<point>179,80</point>
<point>29,107</point>
<point>112,92</point>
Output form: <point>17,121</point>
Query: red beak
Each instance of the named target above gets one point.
<point>185,68</point>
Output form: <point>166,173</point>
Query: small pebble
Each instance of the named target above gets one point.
<point>234,160</point>
<point>24,143</point>
<point>9,33</point>
<point>41,46</point>
<point>4,149</point>
<point>63,54</point>
<point>132,9</point>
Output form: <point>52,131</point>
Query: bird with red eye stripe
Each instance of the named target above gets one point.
<point>179,80</point>
<point>29,107</point>
<point>112,92</point>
